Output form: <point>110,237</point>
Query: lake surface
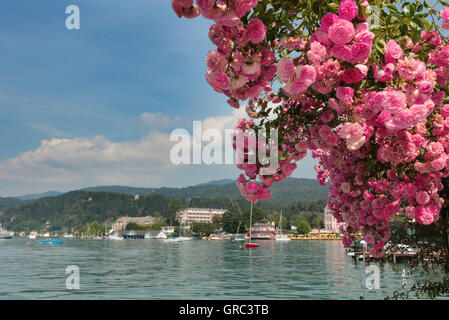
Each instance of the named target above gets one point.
<point>152,269</point>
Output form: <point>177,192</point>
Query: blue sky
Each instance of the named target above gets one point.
<point>77,107</point>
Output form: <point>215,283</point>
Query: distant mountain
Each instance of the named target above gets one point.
<point>39,196</point>
<point>217,182</point>
<point>286,191</point>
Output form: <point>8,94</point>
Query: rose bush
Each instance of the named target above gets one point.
<point>369,102</point>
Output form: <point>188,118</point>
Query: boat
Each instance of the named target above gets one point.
<point>237,237</point>
<point>114,236</point>
<point>68,236</point>
<point>180,238</point>
<point>263,230</point>
<point>250,245</point>
<point>51,241</point>
<point>176,239</point>
<point>214,237</point>
<point>5,234</point>
<point>32,235</point>
<point>280,236</point>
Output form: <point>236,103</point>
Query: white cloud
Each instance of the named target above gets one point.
<point>67,164</point>
<point>157,120</point>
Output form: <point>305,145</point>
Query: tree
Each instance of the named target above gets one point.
<point>174,206</point>
<point>203,229</point>
<point>95,228</point>
<point>132,226</point>
<point>364,88</point>
<point>303,227</point>
<point>276,216</point>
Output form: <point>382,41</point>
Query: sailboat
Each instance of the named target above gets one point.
<point>249,244</point>
<point>280,236</point>
<point>180,238</point>
<point>237,238</point>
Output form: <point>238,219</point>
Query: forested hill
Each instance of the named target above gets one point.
<point>8,202</point>
<point>78,208</point>
<point>286,191</point>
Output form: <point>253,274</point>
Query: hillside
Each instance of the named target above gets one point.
<point>106,204</point>
<point>286,191</point>
<point>8,202</point>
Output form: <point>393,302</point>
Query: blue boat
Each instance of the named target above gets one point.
<point>51,241</point>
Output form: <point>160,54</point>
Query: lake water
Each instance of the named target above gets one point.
<point>152,269</point>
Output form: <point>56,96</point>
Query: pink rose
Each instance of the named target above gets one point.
<point>384,74</point>
<point>256,30</point>
<point>342,52</point>
<point>285,69</point>
<point>348,9</point>
<point>242,7</point>
<point>353,134</point>
<point>341,32</point>
<point>355,75</point>
<point>221,80</point>
<point>445,14</point>
<point>345,93</point>
<point>228,19</point>
<point>360,52</point>
<point>345,187</point>
<point>251,187</point>
<point>393,52</point>
<point>216,61</point>
<point>422,216</point>
<point>394,101</point>
<point>439,164</point>
<point>327,116</point>
<point>422,197</point>
<point>328,20</point>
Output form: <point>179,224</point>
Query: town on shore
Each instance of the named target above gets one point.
<point>196,223</point>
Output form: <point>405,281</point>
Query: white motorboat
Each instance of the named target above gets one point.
<point>32,235</point>
<point>5,234</point>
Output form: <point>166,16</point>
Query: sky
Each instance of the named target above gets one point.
<point>96,106</point>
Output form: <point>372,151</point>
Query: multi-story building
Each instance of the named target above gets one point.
<point>263,229</point>
<point>330,223</point>
<point>199,215</point>
<point>121,223</point>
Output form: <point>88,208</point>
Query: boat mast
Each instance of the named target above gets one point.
<point>250,221</point>
<point>280,223</point>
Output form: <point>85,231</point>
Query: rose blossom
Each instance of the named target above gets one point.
<point>256,30</point>
<point>341,32</point>
<point>285,69</point>
<point>348,9</point>
<point>445,14</point>
<point>393,52</point>
<point>345,93</point>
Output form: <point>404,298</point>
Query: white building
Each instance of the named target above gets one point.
<point>330,223</point>
<point>121,223</point>
<point>199,214</point>
<point>168,230</point>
